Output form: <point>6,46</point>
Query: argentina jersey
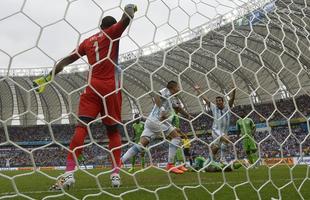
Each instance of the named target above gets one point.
<point>166,102</point>
<point>221,118</point>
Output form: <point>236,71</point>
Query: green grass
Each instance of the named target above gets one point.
<point>152,183</point>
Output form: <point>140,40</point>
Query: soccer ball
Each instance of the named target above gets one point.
<point>116,180</point>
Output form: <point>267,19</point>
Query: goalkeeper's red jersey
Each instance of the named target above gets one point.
<point>102,50</point>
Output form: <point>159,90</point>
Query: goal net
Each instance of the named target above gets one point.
<point>254,55</point>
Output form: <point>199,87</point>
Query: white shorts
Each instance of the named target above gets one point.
<point>153,126</point>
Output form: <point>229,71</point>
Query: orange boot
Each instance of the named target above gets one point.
<point>183,168</point>
<point>171,168</point>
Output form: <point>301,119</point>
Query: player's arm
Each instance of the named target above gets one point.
<point>204,97</point>
<point>40,83</point>
<point>158,103</point>
<point>157,100</point>
<point>117,29</point>
<point>65,62</point>
<point>232,98</point>
<point>128,15</point>
<point>182,112</point>
<point>183,135</point>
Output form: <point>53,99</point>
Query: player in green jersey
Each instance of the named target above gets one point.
<point>138,128</point>
<point>179,157</point>
<point>212,166</point>
<point>247,128</point>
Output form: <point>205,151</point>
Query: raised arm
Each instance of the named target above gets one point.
<point>182,112</point>
<point>232,98</point>
<point>128,15</point>
<point>157,100</point>
<point>204,97</point>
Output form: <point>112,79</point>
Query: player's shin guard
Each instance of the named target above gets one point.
<point>115,141</point>
<point>175,142</point>
<point>223,149</point>
<point>77,140</point>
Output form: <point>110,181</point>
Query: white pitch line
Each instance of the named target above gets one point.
<point>144,186</point>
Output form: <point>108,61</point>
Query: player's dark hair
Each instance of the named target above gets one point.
<point>107,21</point>
<point>171,84</point>
<point>219,97</point>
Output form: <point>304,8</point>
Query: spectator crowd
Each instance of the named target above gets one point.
<point>283,140</point>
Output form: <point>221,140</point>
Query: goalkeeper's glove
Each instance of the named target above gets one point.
<point>130,10</point>
<point>40,83</point>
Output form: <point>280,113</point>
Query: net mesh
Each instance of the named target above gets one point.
<point>260,48</point>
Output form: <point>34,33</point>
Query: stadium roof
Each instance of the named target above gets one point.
<point>265,54</point>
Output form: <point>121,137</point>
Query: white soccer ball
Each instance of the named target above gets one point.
<point>115,180</point>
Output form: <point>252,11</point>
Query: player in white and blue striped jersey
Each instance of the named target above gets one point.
<point>221,121</point>
<point>158,122</point>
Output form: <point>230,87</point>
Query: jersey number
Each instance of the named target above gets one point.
<point>96,45</point>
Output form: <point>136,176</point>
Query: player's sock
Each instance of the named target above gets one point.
<point>142,161</point>
<point>132,151</point>
<point>254,157</point>
<point>115,140</point>
<point>250,158</point>
<point>133,161</point>
<point>77,140</point>
<point>223,150</point>
<point>175,142</point>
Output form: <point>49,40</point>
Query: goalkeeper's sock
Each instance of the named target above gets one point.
<point>77,140</point>
<point>142,161</point>
<point>115,140</point>
<point>175,142</point>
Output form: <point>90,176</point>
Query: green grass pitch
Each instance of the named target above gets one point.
<point>279,182</point>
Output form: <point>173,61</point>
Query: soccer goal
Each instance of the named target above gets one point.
<point>208,99</point>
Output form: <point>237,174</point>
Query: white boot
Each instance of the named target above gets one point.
<point>115,179</point>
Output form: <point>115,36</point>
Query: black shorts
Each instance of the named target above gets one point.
<point>186,152</point>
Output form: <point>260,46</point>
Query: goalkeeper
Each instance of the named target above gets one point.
<point>246,127</point>
<point>138,128</point>
<point>102,51</point>
<point>209,165</point>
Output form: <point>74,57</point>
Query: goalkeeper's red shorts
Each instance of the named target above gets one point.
<point>102,98</point>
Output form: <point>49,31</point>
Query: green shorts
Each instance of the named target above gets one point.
<point>249,145</point>
<point>199,162</point>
